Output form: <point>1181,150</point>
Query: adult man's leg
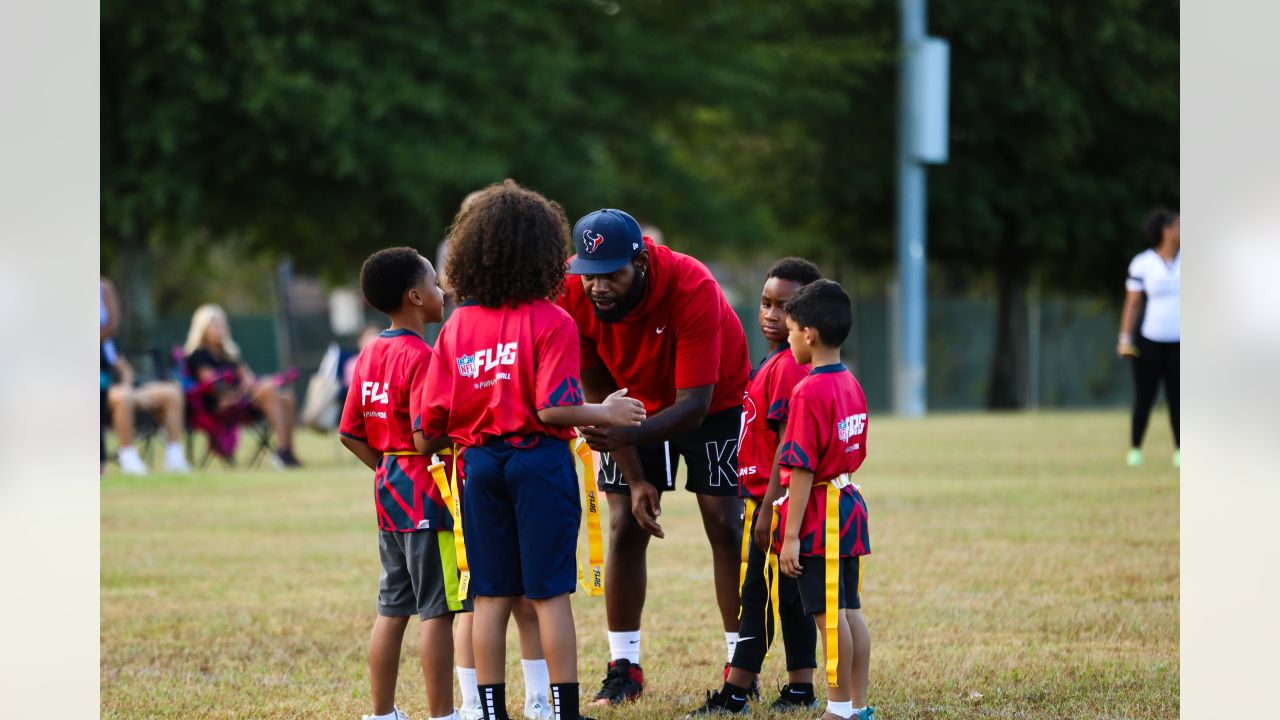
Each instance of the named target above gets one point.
<point>722,521</point>
<point>625,582</point>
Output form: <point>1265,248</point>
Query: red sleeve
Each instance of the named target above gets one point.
<point>556,365</point>
<point>352,422</point>
<point>782,380</point>
<point>437,391</point>
<point>418,388</point>
<point>800,442</point>
<point>697,328</point>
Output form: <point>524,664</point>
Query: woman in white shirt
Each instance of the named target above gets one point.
<point>1154,285</point>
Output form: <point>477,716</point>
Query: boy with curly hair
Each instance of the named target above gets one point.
<point>505,389</point>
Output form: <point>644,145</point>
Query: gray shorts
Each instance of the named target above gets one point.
<point>419,574</point>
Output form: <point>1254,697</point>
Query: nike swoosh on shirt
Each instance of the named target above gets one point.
<point>659,330</point>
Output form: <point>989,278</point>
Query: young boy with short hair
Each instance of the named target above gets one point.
<point>505,389</point>
<point>823,521</point>
<point>764,420</point>
<point>415,541</point>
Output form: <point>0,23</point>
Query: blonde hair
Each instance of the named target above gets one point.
<point>200,321</point>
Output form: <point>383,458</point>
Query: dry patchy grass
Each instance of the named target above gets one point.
<point>1020,571</point>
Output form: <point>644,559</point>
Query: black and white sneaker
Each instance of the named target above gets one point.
<point>793,697</point>
<point>722,703</point>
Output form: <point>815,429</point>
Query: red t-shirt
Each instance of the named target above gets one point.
<point>386,389</point>
<point>495,368</point>
<point>827,435</point>
<point>683,334</point>
<point>765,407</point>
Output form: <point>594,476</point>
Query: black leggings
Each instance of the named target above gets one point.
<point>1155,360</point>
<point>799,634</point>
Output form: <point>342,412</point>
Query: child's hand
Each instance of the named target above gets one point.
<point>761,532</point>
<point>789,558</point>
<point>622,410</point>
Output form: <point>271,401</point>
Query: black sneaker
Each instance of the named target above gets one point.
<point>623,683</point>
<point>791,697</point>
<point>721,703</point>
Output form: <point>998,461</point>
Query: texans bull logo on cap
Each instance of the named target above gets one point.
<point>592,240</point>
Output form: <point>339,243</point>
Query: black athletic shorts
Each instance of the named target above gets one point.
<point>813,583</point>
<point>710,453</point>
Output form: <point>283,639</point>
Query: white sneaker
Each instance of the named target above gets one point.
<point>175,461</point>
<point>131,463</point>
<point>537,708</point>
<point>395,711</point>
<point>471,712</point>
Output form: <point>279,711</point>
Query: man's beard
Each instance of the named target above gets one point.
<point>624,305</point>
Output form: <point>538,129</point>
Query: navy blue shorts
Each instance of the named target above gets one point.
<point>520,515</point>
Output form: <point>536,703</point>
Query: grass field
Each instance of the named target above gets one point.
<point>1020,571</point>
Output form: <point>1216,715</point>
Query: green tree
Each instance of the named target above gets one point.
<point>1064,132</point>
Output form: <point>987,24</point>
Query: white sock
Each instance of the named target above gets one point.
<point>730,644</point>
<point>625,646</point>
<point>393,715</point>
<point>840,709</point>
<point>858,711</point>
<point>537,679</point>
<point>467,683</point>
<point>129,453</point>
<point>451,716</point>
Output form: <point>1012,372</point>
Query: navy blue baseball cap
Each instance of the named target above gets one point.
<point>604,241</point>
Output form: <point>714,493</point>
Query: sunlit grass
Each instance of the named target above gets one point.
<point>1020,570</point>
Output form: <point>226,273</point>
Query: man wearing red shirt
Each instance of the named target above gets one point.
<point>656,322</point>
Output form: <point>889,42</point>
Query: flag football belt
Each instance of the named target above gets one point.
<point>832,558</point>
<point>447,485</point>
<point>590,576</point>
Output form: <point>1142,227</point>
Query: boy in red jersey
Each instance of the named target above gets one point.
<point>505,389</point>
<point>415,542</point>
<point>656,321</point>
<point>764,421</point>
<point>823,521</point>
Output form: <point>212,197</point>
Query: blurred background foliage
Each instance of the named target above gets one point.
<point>235,133</point>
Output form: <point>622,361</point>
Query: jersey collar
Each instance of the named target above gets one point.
<point>832,368</point>
<point>398,333</point>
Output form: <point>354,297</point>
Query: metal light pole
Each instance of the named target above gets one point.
<point>922,138</point>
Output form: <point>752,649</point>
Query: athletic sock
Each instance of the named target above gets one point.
<point>451,716</point>
<point>625,646</point>
<point>467,683</point>
<point>730,644</point>
<point>536,678</point>
<point>393,715</point>
<point>858,711</point>
<point>734,697</point>
<point>840,709</point>
<point>564,701</point>
<point>493,701</point>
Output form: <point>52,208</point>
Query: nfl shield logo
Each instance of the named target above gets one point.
<point>467,366</point>
<point>845,428</point>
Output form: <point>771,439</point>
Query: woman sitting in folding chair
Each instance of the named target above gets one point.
<point>213,358</point>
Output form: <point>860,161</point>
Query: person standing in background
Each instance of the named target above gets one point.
<point>1154,285</point>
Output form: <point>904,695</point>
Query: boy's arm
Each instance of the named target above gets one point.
<point>430,446</point>
<point>801,486</point>
<point>617,410</point>
<point>361,450</point>
<point>764,522</point>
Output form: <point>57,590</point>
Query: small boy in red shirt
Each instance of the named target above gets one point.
<point>823,521</point>
<point>504,387</point>
<point>415,541</point>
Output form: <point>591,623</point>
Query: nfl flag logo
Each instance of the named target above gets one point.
<point>851,426</point>
<point>467,366</point>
